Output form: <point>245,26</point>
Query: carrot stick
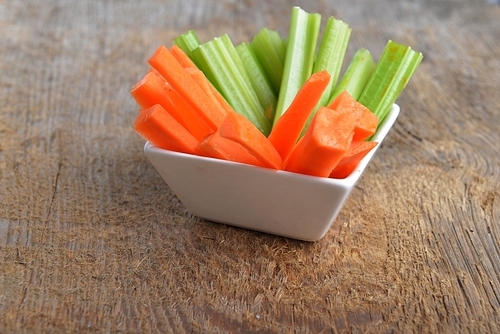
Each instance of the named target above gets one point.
<point>218,96</point>
<point>218,147</point>
<point>357,151</point>
<point>147,91</point>
<point>165,63</point>
<point>344,99</point>
<point>153,89</point>
<point>200,78</point>
<point>154,71</point>
<point>325,142</point>
<point>194,124</point>
<point>181,57</point>
<point>239,129</point>
<point>156,125</point>
<point>366,121</point>
<point>209,89</point>
<point>288,127</point>
<point>150,90</point>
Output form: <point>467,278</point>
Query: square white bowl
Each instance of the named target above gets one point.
<point>273,201</point>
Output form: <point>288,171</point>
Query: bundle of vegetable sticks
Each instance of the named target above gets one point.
<point>272,102</point>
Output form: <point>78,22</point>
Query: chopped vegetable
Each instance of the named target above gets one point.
<point>270,51</point>
<point>331,53</point>
<point>330,57</point>
<point>209,89</point>
<point>155,72</point>
<point>357,151</point>
<point>152,89</point>
<point>356,76</point>
<point>181,57</point>
<point>201,79</point>
<point>395,67</point>
<point>288,128</point>
<point>324,144</point>
<point>187,41</point>
<point>365,124</point>
<point>163,61</point>
<point>156,125</point>
<point>258,79</point>
<point>218,147</point>
<point>299,57</point>
<point>221,64</point>
<point>194,124</point>
<point>240,130</point>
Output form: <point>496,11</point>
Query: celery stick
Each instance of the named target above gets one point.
<point>299,57</point>
<point>330,57</point>
<point>228,47</point>
<point>270,51</point>
<point>200,58</point>
<point>356,76</point>
<point>331,53</point>
<point>221,64</point>
<point>254,100</point>
<point>285,42</point>
<point>393,71</point>
<point>258,79</point>
<point>187,41</point>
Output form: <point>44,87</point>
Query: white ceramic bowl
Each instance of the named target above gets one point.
<point>287,204</point>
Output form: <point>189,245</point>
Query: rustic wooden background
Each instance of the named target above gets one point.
<point>92,240</point>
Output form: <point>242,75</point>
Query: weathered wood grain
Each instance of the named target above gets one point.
<point>92,240</point>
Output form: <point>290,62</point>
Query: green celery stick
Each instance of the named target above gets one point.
<point>227,45</point>
<point>299,57</point>
<point>200,58</point>
<point>285,42</point>
<point>258,79</point>
<point>330,57</point>
<point>397,64</point>
<point>221,64</point>
<point>187,41</point>
<point>270,51</point>
<point>356,76</point>
<point>331,53</point>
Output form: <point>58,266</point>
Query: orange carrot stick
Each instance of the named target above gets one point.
<point>156,125</point>
<point>288,128</point>
<point>209,89</point>
<point>154,71</point>
<point>150,90</point>
<point>366,121</point>
<point>194,124</point>
<point>219,98</point>
<point>239,129</point>
<point>153,89</point>
<point>325,142</point>
<point>165,63</point>
<point>181,57</point>
<point>357,151</point>
<point>200,78</point>
<point>344,99</point>
<point>218,147</point>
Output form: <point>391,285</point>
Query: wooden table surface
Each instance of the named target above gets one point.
<point>92,239</point>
